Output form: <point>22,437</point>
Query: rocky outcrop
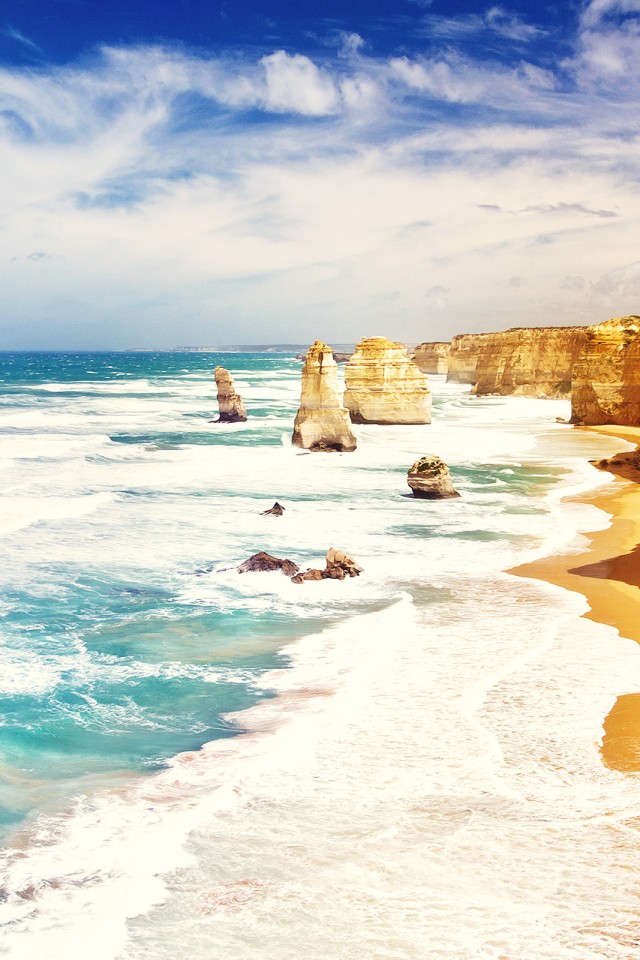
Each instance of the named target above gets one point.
<point>522,361</point>
<point>264,563</point>
<point>384,386</point>
<point>339,566</point>
<point>626,464</point>
<point>230,403</point>
<point>429,479</point>
<point>606,378</point>
<point>275,511</point>
<point>432,357</point>
<point>322,423</point>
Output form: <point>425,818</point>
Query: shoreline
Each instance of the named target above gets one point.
<point>607,574</point>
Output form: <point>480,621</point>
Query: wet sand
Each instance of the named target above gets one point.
<point>607,573</point>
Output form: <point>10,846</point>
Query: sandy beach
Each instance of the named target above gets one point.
<point>608,575</point>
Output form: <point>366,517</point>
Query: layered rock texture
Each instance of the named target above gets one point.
<point>463,357</point>
<point>606,378</point>
<point>523,361</point>
<point>432,357</point>
<point>322,423</point>
<point>383,385</point>
<point>429,479</point>
<point>230,405</point>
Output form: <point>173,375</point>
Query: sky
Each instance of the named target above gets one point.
<point>183,173</point>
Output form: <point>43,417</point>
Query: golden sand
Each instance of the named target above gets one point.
<point>608,575</point>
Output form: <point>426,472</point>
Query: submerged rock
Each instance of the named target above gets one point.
<point>322,424</point>
<point>230,403</point>
<point>275,511</point>
<point>429,479</point>
<point>383,385</point>
<point>339,565</point>
<point>264,562</point>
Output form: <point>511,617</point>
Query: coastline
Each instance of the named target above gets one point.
<point>607,574</point>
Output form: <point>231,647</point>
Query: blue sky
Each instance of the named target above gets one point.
<point>239,172</point>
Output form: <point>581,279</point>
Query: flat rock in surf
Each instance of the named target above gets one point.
<point>264,562</point>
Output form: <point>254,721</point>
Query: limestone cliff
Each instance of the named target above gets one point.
<point>432,357</point>
<point>522,361</point>
<point>463,357</point>
<point>384,386</point>
<point>230,403</point>
<point>529,361</point>
<point>322,423</point>
<point>606,379</point>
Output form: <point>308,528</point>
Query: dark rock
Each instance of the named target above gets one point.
<point>275,511</point>
<point>264,562</point>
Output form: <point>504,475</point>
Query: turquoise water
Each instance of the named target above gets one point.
<point>134,659</point>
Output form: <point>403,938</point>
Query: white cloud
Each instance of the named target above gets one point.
<point>597,10</point>
<point>139,191</point>
<point>294,83</point>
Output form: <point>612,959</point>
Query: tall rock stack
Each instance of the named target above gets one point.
<point>606,378</point>
<point>322,423</point>
<point>383,385</point>
<point>230,403</point>
<point>432,357</point>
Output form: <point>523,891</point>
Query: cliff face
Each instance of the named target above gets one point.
<point>463,357</point>
<point>230,403</point>
<point>384,386</point>
<point>529,362</point>
<point>322,423</point>
<point>432,357</point>
<point>606,380</point>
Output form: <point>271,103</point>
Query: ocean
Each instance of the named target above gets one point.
<point>201,764</point>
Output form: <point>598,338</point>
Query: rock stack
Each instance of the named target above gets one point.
<point>429,479</point>
<point>383,385</point>
<point>322,424</point>
<point>230,403</point>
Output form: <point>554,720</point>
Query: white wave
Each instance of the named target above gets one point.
<point>16,513</point>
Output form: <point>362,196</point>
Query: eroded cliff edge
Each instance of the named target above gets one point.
<point>432,357</point>
<point>522,361</point>
<point>606,377</point>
